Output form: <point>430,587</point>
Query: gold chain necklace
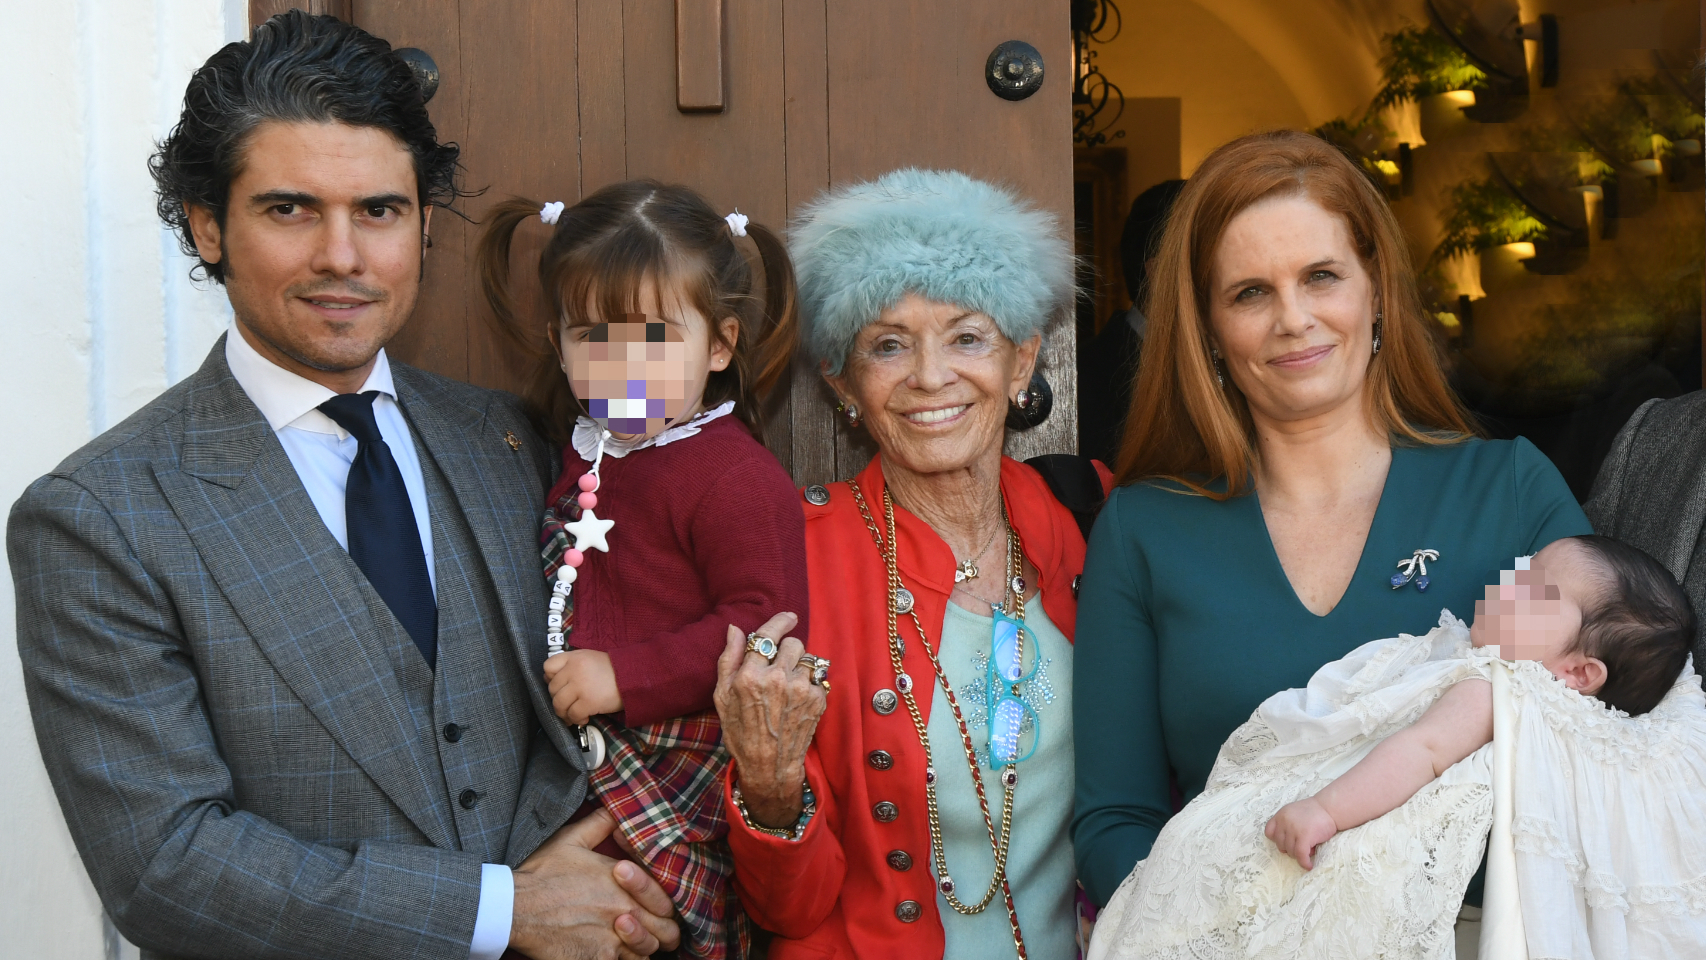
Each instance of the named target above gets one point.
<point>1013,606</point>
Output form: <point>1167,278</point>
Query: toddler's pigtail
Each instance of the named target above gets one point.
<point>545,394</point>
<point>773,349</point>
<point>491,259</point>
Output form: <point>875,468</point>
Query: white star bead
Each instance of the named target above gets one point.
<point>589,532</point>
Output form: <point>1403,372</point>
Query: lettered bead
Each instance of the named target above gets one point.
<point>587,500</point>
<point>588,482</point>
<point>558,603</point>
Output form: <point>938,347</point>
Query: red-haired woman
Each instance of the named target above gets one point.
<point>1296,479</point>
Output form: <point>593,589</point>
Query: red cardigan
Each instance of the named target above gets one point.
<point>707,534</point>
<point>832,893</point>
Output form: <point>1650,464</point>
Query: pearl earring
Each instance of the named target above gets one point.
<point>850,411</point>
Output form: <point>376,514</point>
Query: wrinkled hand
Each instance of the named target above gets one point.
<point>583,685</point>
<point>574,904</point>
<point>769,713</point>
<point>1299,828</point>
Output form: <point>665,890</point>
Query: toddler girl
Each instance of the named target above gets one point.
<point>670,521</point>
<point>1382,754</point>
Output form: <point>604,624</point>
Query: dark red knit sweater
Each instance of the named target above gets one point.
<point>709,531</point>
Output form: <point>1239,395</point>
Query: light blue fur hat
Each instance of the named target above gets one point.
<point>940,234</point>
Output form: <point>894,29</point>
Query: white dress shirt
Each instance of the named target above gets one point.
<point>321,451</point>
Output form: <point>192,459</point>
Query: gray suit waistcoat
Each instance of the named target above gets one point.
<point>252,756</point>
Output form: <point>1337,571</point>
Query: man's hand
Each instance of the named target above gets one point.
<point>583,685</point>
<point>1301,827</point>
<point>574,904</point>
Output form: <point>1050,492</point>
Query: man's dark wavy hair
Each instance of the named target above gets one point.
<point>297,68</point>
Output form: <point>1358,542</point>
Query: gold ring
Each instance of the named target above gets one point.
<point>819,666</point>
<point>761,645</point>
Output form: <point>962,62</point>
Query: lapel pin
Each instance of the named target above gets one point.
<point>510,439</point>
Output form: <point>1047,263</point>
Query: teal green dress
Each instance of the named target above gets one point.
<point>1186,621</point>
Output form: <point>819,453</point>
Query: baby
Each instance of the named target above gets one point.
<point>1601,616</point>
<point>1386,753</point>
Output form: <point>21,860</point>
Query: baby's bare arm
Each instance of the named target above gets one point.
<point>1458,724</point>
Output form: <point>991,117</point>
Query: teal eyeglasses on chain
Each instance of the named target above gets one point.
<point>1014,726</point>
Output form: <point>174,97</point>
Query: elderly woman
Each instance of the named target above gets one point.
<point>928,815</point>
<point>1297,480</point>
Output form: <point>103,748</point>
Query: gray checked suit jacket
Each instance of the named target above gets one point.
<point>253,757</point>
<point>1651,493</point>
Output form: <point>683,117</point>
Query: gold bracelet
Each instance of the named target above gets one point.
<point>792,835</point>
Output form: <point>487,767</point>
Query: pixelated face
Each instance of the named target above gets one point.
<point>632,374</point>
<point>1533,613</point>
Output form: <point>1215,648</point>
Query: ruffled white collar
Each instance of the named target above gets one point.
<point>588,432</point>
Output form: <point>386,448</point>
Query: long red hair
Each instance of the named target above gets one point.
<point>1182,425</point>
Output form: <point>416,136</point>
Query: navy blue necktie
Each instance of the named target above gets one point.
<point>383,539</point>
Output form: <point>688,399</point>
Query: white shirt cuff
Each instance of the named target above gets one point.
<point>497,912</point>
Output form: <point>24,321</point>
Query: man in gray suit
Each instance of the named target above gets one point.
<point>1651,493</point>
<point>282,629</point>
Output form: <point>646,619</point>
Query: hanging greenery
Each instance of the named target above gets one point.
<point>1482,214</point>
<point>1420,62</point>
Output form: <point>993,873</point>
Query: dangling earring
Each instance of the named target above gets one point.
<point>1378,321</point>
<point>850,412</point>
<point>1022,399</point>
<point>1219,368</point>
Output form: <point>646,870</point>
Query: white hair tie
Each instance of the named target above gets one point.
<point>551,211</point>
<point>737,222</point>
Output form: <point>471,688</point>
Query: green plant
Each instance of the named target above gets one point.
<point>1420,62</point>
<point>1482,214</point>
<point>1360,140</point>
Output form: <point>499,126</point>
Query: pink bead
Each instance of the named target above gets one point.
<point>588,482</point>
<point>573,557</point>
<point>587,500</point>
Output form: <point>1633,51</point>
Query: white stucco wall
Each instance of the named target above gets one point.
<point>98,317</point>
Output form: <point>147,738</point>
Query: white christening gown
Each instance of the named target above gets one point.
<point>1628,880</point>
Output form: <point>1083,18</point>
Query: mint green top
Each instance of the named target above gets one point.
<point>1039,856</point>
<point>1187,622</point>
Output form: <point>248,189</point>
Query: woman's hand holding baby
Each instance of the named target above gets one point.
<point>583,685</point>
<point>1301,827</point>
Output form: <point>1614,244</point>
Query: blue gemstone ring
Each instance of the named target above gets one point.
<point>1415,570</point>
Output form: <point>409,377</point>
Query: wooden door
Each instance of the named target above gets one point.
<point>552,99</point>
